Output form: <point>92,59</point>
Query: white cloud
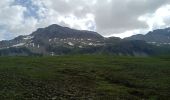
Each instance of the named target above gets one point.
<point>158,19</point>
<point>110,18</point>
<point>13,22</point>
<point>74,22</point>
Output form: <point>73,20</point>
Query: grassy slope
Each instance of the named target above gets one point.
<point>84,77</point>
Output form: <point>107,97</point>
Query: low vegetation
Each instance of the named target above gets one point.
<point>85,77</point>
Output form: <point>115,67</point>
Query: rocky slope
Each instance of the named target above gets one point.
<point>58,40</point>
<point>157,37</point>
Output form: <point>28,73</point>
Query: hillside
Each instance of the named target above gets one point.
<point>54,36</point>
<point>157,37</point>
<point>95,77</point>
<point>58,40</point>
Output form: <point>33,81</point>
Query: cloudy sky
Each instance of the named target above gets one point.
<point>108,17</point>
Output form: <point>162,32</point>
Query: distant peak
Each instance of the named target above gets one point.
<point>54,25</point>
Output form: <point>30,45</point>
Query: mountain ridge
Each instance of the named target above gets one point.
<point>156,37</point>
<point>58,40</point>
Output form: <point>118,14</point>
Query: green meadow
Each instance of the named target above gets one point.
<point>85,77</point>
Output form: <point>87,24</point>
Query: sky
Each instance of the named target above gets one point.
<point>121,18</point>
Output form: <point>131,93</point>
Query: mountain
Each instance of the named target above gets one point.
<point>64,32</point>
<point>132,47</point>
<point>54,36</point>
<point>157,37</point>
<point>58,40</point>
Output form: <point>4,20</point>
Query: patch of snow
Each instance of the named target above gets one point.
<point>4,48</point>
<point>152,42</point>
<point>38,46</point>
<point>89,39</point>
<point>90,43</point>
<point>28,37</point>
<point>165,43</point>
<point>70,43</point>
<point>80,46</point>
<point>18,45</point>
<point>50,40</point>
<point>84,43</point>
<point>99,44</point>
<point>52,53</point>
<point>33,44</point>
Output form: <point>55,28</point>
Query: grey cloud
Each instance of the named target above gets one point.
<point>110,16</point>
<point>114,16</point>
<point>122,15</point>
